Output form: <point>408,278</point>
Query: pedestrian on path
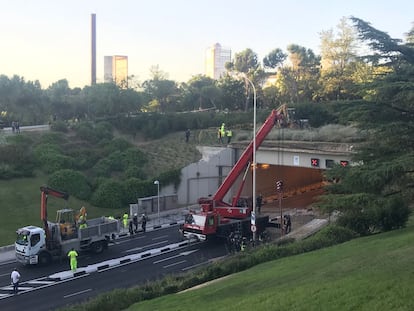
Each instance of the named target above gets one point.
<point>187,135</point>
<point>130,228</point>
<point>144,222</point>
<point>15,277</point>
<point>259,201</point>
<point>135,221</point>
<point>73,259</point>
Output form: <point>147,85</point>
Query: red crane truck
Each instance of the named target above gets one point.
<point>217,218</point>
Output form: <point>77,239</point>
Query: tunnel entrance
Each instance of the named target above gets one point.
<point>296,180</point>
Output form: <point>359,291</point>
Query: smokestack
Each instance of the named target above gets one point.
<point>93,49</point>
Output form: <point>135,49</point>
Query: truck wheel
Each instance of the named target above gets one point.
<point>44,259</point>
<point>97,247</point>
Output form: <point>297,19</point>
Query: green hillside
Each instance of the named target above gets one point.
<point>371,273</point>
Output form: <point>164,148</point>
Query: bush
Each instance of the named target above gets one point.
<point>83,157</point>
<point>42,151</point>
<point>117,144</point>
<point>53,162</point>
<point>136,188</point>
<point>73,182</point>
<point>16,161</point>
<point>134,172</point>
<point>59,126</point>
<point>6,171</point>
<point>102,168</point>
<point>94,134</point>
<point>109,194</point>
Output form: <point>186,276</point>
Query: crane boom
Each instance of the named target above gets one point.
<point>45,191</point>
<point>277,115</point>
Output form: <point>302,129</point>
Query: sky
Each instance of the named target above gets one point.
<point>49,40</point>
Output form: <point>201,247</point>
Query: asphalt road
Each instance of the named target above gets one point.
<point>39,292</point>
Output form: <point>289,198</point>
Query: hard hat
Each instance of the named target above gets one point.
<point>135,214</point>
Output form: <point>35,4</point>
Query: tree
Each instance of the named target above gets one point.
<point>232,93</point>
<point>160,90</point>
<point>274,59</point>
<point>298,82</point>
<point>375,195</point>
<point>385,48</point>
<point>200,92</point>
<point>101,99</point>
<point>339,62</point>
<point>22,101</point>
<point>246,61</point>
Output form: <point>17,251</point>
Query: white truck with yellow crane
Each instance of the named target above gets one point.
<point>35,245</point>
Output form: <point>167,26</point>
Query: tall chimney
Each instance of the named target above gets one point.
<point>93,49</point>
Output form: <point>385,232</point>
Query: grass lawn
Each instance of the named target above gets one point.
<point>371,273</point>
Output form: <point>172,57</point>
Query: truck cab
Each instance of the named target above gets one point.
<point>30,242</point>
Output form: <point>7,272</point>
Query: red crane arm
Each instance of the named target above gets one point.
<point>247,155</point>
<point>45,191</point>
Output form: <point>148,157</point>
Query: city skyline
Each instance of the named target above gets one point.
<point>51,40</point>
<point>116,70</point>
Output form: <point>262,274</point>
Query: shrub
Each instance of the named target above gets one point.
<point>94,134</point>
<point>53,162</point>
<point>136,188</point>
<point>59,126</point>
<point>109,194</point>
<point>83,157</point>
<point>16,160</point>
<point>134,157</point>
<point>134,172</point>
<point>6,171</point>
<point>42,151</point>
<point>102,168</point>
<point>117,144</point>
<point>53,138</point>
<point>73,182</point>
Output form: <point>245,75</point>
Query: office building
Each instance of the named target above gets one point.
<point>116,70</point>
<point>215,60</point>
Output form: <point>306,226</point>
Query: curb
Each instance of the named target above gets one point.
<point>6,248</point>
<point>60,276</point>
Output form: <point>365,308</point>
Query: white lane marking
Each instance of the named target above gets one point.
<point>127,240</point>
<point>40,282</point>
<point>160,237</point>
<point>165,259</point>
<point>175,256</point>
<point>174,264</point>
<point>20,288</point>
<point>78,293</point>
<point>145,246</point>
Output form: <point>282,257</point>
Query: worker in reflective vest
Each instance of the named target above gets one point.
<point>229,136</point>
<point>73,259</point>
<point>125,220</point>
<point>82,222</point>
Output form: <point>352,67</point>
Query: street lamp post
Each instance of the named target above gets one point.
<point>254,156</point>
<point>157,182</point>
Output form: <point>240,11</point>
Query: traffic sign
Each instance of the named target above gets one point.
<point>253,228</point>
<point>253,218</point>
